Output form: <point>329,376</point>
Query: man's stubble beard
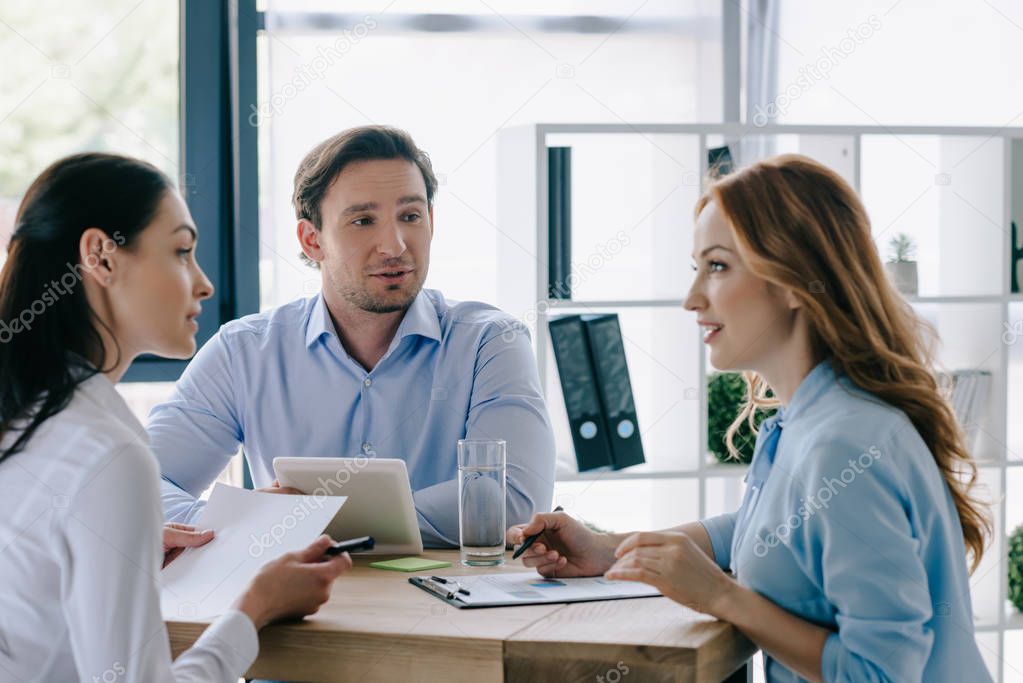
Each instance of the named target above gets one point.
<point>365,301</point>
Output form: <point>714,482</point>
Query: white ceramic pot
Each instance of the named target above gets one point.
<point>903,275</point>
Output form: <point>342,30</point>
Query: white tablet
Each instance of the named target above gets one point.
<point>379,498</point>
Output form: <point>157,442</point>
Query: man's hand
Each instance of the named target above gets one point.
<point>177,537</point>
<point>277,488</point>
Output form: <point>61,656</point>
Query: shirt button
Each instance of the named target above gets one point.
<point>367,381</point>
<point>367,447</point>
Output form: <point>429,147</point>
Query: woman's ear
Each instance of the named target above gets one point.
<point>96,257</point>
<point>791,300</point>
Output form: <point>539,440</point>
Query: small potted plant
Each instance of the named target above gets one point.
<point>901,266</point>
<point>726,392</point>
<point>1016,568</point>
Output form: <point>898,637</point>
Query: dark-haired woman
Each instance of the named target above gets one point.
<point>101,268</point>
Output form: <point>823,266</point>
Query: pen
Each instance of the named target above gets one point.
<point>352,545</point>
<point>436,588</point>
<point>441,579</point>
<point>530,540</point>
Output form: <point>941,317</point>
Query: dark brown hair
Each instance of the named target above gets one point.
<point>49,341</point>
<point>324,163</point>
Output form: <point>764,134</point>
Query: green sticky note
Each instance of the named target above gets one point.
<point>410,564</point>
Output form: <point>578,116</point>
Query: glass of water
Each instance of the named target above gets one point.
<point>481,501</point>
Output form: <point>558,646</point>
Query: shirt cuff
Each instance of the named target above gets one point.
<point>179,505</point>
<point>721,529</point>
<point>437,513</point>
<point>830,657</point>
<point>236,641</point>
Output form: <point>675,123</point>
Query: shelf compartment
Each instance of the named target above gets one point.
<point>622,506</point>
<point>938,189</point>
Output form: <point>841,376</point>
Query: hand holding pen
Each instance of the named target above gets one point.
<point>563,546</point>
<point>531,539</point>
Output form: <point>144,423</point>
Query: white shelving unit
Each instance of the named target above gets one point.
<point>954,189</point>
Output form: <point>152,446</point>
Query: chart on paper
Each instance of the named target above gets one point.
<point>529,588</point>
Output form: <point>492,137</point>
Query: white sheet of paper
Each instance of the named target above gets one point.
<point>531,588</point>
<point>251,529</point>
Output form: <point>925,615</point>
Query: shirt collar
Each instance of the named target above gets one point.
<point>420,319</point>
<point>319,322</point>
<point>812,386</point>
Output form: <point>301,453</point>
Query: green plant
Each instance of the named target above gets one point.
<point>726,392</point>
<point>901,248</point>
<point>1016,568</point>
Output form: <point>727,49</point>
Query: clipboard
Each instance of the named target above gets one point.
<point>527,588</point>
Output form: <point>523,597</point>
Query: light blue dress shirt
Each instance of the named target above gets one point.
<point>847,523</point>
<point>280,384</point>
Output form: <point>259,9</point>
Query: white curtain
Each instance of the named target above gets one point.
<point>762,40</point>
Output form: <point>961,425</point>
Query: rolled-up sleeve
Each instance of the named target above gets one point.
<point>721,529</point>
<point>196,432</point>
<point>861,548</point>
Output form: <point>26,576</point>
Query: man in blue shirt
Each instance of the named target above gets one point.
<point>374,365</point>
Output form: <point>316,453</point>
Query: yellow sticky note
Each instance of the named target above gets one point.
<point>410,564</point>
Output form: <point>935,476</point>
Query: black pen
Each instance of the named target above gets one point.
<point>441,579</point>
<point>530,540</point>
<point>350,546</point>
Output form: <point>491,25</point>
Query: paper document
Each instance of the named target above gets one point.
<point>529,588</point>
<point>251,529</point>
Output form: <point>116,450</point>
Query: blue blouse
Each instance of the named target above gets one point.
<point>847,523</point>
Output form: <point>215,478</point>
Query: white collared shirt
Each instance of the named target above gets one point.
<point>81,552</point>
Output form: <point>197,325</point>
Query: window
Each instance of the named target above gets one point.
<point>122,77</point>
<point>102,77</point>
<point>99,78</point>
<point>453,79</point>
<point>912,62</point>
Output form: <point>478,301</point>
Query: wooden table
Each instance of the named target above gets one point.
<point>378,627</point>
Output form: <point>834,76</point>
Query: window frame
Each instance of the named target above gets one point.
<point>218,168</point>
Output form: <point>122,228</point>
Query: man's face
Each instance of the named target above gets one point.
<point>374,242</point>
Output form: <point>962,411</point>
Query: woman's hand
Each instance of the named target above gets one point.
<point>674,564</point>
<point>293,585</point>
<point>566,547</point>
<point>177,537</point>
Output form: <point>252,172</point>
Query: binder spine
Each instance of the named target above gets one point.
<point>579,387</point>
<point>719,162</point>
<point>559,220</point>
<point>612,372</point>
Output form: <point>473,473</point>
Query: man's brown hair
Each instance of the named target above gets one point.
<point>322,165</point>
